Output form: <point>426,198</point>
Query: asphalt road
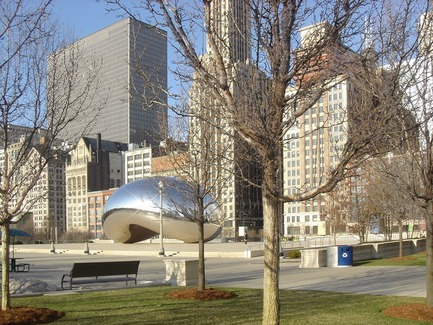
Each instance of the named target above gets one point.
<point>224,271</point>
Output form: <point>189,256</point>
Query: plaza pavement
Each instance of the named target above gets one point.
<point>225,267</point>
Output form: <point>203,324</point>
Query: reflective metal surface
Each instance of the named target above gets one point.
<point>132,213</point>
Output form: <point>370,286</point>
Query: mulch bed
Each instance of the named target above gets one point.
<point>410,311</point>
<point>29,316</point>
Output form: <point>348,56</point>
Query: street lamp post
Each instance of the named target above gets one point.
<point>161,227</point>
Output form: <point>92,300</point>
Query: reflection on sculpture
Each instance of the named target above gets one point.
<point>132,213</point>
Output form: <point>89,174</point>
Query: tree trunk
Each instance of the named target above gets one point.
<point>335,235</point>
<point>429,251</point>
<point>271,299</point>
<point>201,266</point>
<point>400,238</point>
<point>6,299</point>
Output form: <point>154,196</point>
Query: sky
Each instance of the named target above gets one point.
<point>84,17</point>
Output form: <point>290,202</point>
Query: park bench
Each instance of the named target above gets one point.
<point>22,267</point>
<point>17,267</point>
<point>93,272</point>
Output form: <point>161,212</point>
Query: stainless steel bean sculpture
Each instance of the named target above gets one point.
<point>133,211</point>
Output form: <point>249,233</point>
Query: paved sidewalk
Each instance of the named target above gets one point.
<point>213,249</point>
<point>225,267</point>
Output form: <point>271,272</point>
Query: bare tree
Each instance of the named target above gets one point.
<point>419,99</point>
<point>200,162</point>
<point>394,204</point>
<point>337,210</point>
<point>43,88</point>
<point>197,151</point>
<point>406,32</point>
<point>361,211</point>
<point>266,80</point>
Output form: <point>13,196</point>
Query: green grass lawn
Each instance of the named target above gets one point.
<point>153,306</point>
<point>410,260</point>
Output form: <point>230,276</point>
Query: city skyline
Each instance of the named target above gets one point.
<point>308,162</point>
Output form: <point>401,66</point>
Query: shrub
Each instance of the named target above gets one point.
<point>294,254</point>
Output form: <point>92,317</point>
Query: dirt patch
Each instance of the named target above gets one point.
<point>207,294</point>
<point>410,311</point>
<point>29,316</point>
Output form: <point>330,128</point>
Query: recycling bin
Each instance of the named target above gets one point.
<point>339,256</point>
<point>345,255</point>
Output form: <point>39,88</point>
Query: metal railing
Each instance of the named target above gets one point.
<point>321,241</point>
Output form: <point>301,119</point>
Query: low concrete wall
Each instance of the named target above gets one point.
<point>181,272</point>
<point>419,245</point>
<point>392,249</point>
<point>253,253</point>
<point>313,258</point>
<point>362,252</point>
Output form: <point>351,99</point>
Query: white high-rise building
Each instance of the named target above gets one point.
<point>137,162</point>
<point>314,148</point>
<point>45,201</point>
<point>49,211</point>
<point>359,105</point>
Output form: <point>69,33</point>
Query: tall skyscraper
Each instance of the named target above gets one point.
<point>230,35</point>
<point>232,28</point>
<point>130,59</point>
<point>311,152</point>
